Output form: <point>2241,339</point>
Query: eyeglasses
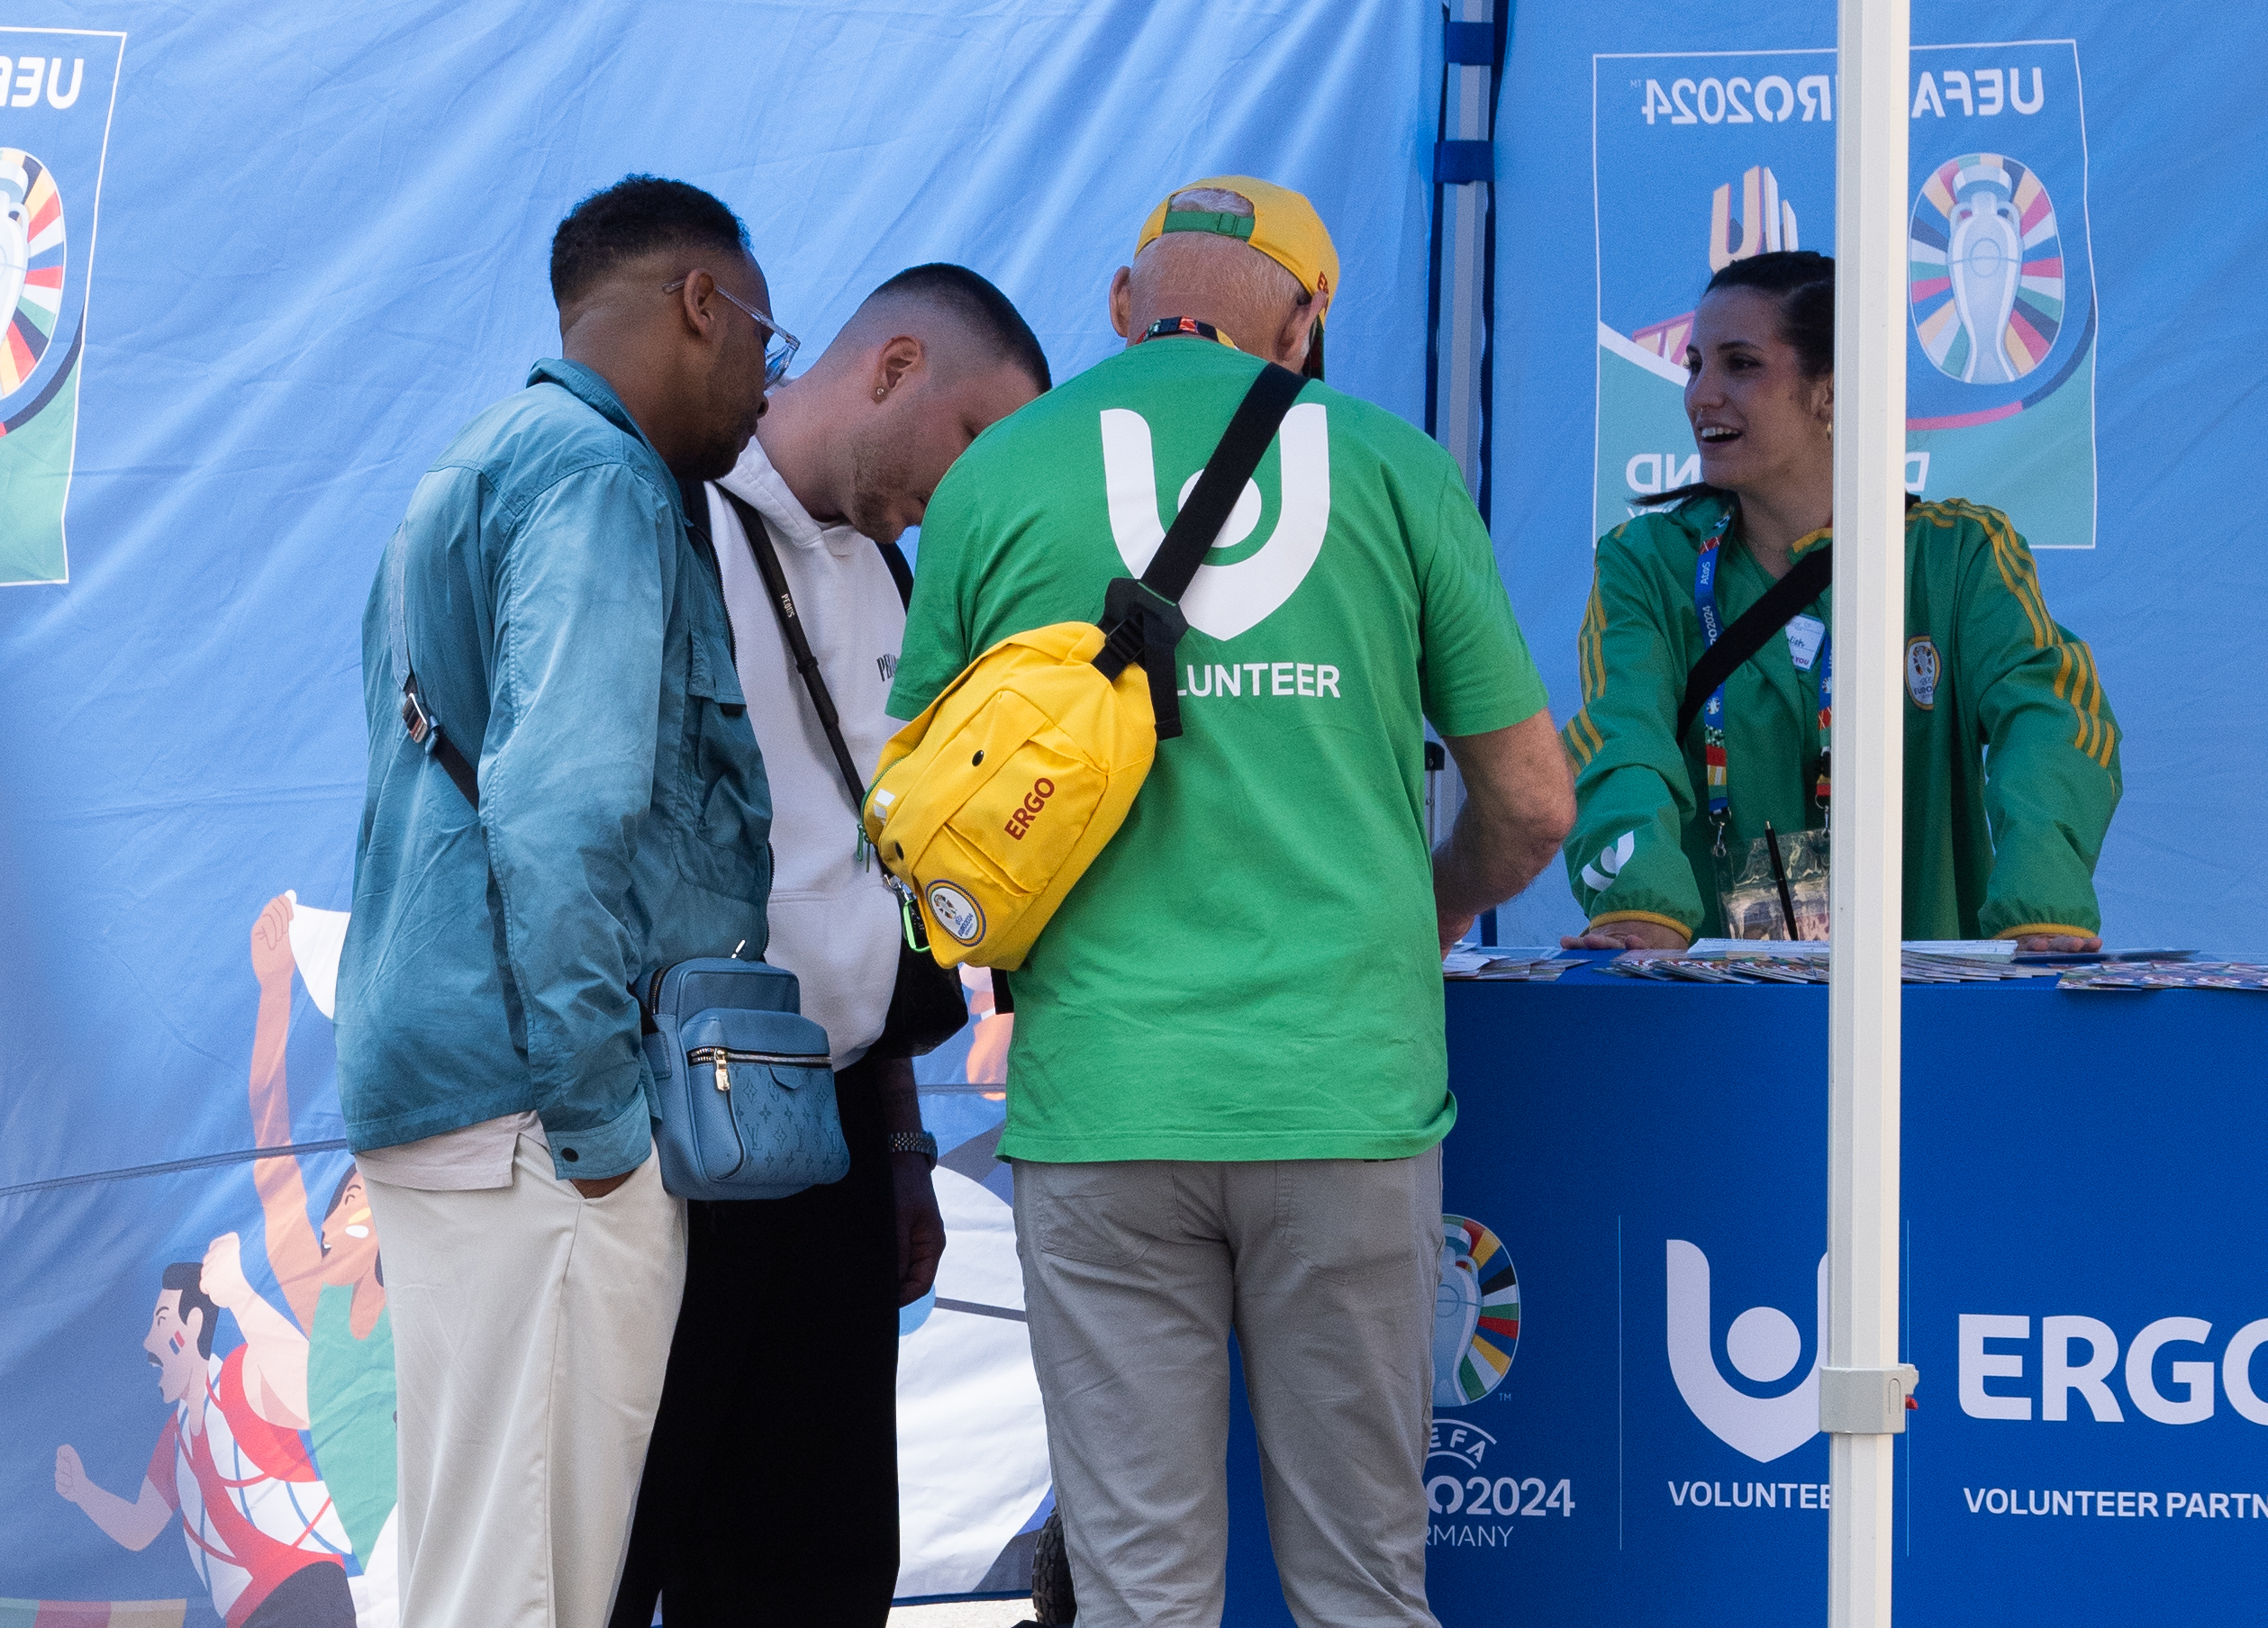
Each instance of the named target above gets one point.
<point>779,345</point>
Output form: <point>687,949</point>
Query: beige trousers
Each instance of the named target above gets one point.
<point>532,1330</point>
<point>1135,1274</point>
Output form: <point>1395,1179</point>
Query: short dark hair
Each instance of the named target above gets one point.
<point>1803,281</point>
<point>987,313</point>
<point>188,1276</point>
<point>636,216</point>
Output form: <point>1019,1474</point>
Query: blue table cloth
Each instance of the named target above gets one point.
<point>1638,1188</point>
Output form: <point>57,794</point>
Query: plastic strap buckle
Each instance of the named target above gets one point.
<point>1142,625</point>
<point>414,717</point>
<point>1867,1401</point>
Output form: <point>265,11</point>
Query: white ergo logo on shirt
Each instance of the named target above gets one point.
<point>1225,600</point>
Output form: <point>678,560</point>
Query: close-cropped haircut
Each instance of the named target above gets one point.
<point>635,217</point>
<point>987,313</point>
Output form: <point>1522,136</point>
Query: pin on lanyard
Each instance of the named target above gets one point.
<point>1713,758</point>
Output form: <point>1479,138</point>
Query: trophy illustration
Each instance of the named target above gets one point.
<point>1456,1315</point>
<point>1984,260</point>
<point>16,245</point>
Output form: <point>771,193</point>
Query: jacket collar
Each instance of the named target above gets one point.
<point>589,386</point>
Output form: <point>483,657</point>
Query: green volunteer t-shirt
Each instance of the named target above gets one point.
<point>1250,969</point>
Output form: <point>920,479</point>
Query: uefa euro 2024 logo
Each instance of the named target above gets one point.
<point>1475,1314</point>
<point>58,86</point>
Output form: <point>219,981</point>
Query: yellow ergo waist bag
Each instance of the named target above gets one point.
<point>989,806</point>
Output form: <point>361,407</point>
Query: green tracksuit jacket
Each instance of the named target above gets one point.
<point>2012,750</point>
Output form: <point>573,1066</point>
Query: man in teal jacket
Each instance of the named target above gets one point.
<point>571,642</point>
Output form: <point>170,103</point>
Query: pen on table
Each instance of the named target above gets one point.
<point>1780,875</point>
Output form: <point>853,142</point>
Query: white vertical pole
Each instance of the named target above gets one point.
<point>1457,416</point>
<point>1869,782</point>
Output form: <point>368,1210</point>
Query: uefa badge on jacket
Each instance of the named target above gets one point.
<point>1923,667</point>
<point>58,86</point>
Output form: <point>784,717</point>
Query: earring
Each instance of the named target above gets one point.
<point>880,390</point>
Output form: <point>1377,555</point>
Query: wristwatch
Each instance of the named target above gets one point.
<point>915,1142</point>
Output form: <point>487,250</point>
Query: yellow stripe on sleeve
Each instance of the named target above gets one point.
<point>2005,556</point>
<point>2077,682</point>
<point>1591,643</point>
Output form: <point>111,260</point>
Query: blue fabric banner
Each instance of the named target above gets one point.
<point>323,245</point>
<point>2082,303</point>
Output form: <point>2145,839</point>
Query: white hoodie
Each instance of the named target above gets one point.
<point>834,924</point>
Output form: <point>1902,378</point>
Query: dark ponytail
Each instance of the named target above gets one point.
<point>1804,283</point>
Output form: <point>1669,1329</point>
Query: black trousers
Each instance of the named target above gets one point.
<point>771,1488</point>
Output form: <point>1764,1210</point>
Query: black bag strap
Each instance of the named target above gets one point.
<point>901,573</point>
<point>799,647</point>
<point>1142,620</point>
<point>926,1007</point>
<point>1808,578</point>
<point>425,729</point>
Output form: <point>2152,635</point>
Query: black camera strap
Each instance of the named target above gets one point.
<point>926,1006</point>
<point>1806,580</point>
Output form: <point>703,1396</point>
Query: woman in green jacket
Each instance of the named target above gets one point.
<point>2012,750</point>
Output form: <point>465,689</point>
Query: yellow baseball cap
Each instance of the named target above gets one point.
<point>1283,226</point>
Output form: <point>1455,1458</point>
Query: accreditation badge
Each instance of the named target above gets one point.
<point>1922,668</point>
<point>57,88</point>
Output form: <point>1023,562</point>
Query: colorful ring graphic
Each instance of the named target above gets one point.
<point>1476,1323</point>
<point>30,265</point>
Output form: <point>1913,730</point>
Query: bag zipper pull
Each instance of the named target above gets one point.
<point>722,1060</point>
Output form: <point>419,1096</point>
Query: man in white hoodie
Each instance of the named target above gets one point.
<point>770,1492</point>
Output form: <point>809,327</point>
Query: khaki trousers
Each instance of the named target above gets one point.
<point>1135,1274</point>
<point>532,1330</point>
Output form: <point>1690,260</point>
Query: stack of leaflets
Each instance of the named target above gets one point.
<point>1507,964</point>
<point>1661,966</point>
<point>1756,961</point>
<point>2167,976</point>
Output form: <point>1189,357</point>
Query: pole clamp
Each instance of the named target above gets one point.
<point>1867,1401</point>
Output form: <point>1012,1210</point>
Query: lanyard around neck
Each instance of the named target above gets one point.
<point>1714,756</point>
<point>1167,327</point>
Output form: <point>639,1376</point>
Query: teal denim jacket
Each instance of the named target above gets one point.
<point>572,639</point>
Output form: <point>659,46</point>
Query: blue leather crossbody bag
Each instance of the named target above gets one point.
<point>743,1098</point>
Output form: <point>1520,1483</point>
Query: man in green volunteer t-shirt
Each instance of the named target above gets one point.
<point>1227,1084</point>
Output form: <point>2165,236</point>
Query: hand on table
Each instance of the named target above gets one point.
<point>1627,936</point>
<point>1452,929</point>
<point>2060,944</point>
